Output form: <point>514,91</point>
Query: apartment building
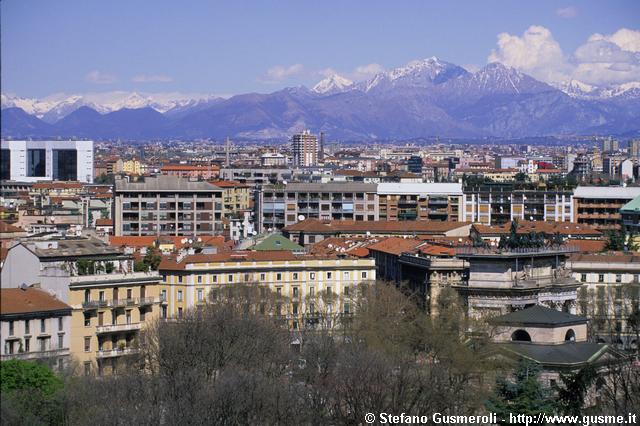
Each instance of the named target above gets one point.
<point>257,176</point>
<point>308,289</point>
<point>110,302</point>
<point>32,161</point>
<point>495,204</point>
<point>34,325</point>
<point>237,198</point>
<point>599,206</point>
<point>630,213</point>
<point>283,205</point>
<point>305,149</point>
<point>191,171</point>
<point>419,201</point>
<point>167,205</point>
<point>610,295</point>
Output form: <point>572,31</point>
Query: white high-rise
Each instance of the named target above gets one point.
<point>32,161</point>
<point>305,149</point>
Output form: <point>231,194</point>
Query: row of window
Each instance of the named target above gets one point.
<point>114,317</point>
<point>601,278</point>
<point>44,344</point>
<point>27,326</point>
<point>247,277</point>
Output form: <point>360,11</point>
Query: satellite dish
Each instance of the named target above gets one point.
<point>368,233</point>
<point>254,232</point>
<point>284,182</point>
<point>301,217</point>
<point>190,241</point>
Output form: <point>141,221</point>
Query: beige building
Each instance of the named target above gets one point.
<point>305,149</point>
<point>309,290</point>
<point>610,295</point>
<point>110,302</point>
<point>236,198</point>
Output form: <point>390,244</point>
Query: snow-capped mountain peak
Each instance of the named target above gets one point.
<point>334,83</point>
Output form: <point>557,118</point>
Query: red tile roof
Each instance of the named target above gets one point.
<point>395,245</point>
<point>6,228</point>
<point>57,185</point>
<point>17,301</point>
<point>378,226</point>
<point>587,246</point>
<point>104,222</point>
<point>132,241</point>
<point>525,227</point>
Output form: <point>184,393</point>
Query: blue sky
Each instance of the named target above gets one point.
<point>244,46</point>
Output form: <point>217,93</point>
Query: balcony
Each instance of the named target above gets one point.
<point>94,304</point>
<point>112,353</point>
<point>36,354</point>
<point>146,301</point>
<point>116,328</point>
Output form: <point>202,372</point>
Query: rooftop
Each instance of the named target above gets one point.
<point>70,248</point>
<point>277,242</point>
<point>332,187</point>
<point>607,192</point>
<point>373,227</point>
<point>632,206</point>
<point>564,355</point>
<point>28,300</point>
<point>526,227</point>
<point>396,245</point>
<point>420,188</point>
<point>539,316</point>
<point>164,183</point>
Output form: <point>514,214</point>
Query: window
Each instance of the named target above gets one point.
<point>346,290</point>
<point>100,319</point>
<point>61,341</point>
<point>87,320</point>
<point>10,328</point>
<point>618,278</point>
<point>312,308</point>
<point>329,275</point>
<point>180,313</point>
<point>87,368</point>
<point>43,345</point>
<point>364,275</point>
<point>230,278</point>
<point>179,295</point>
<point>346,308</point>
<point>279,276</point>
<point>27,344</point>
<point>600,278</point>
<point>43,326</point>
<point>129,294</point>
<point>101,296</point>
<point>214,278</point>
<point>312,291</point>
<point>27,327</point>
<point>114,317</point>
<point>127,316</point>
<point>199,279</point>
<point>328,291</point>
<point>295,291</point>
<point>87,344</point>
<point>279,291</point>
<point>246,278</point>
<point>200,295</point>
<point>36,162</point>
<point>263,277</point>
<point>164,312</point>
<point>60,324</point>
<point>143,313</point>
<point>583,278</point>
<point>295,309</point>
<point>312,275</point>
<point>295,276</point>
<point>345,275</point>
<point>179,278</point>
<point>163,295</point>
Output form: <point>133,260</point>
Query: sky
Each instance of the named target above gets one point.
<point>231,47</point>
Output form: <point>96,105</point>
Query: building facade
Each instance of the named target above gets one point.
<point>32,161</point>
<point>420,201</point>
<point>34,325</point>
<point>305,149</point>
<point>599,206</point>
<point>167,205</point>
<point>308,289</point>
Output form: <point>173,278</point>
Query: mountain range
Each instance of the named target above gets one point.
<point>425,98</point>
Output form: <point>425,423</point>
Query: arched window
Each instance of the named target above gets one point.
<point>520,336</point>
<point>570,336</point>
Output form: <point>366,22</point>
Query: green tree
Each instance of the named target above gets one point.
<point>23,375</point>
<point>574,389</point>
<point>615,241</point>
<point>522,395</point>
<point>152,259</point>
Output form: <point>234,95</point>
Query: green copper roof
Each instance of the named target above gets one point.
<point>277,242</point>
<point>632,206</point>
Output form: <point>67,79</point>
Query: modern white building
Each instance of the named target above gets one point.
<point>33,161</point>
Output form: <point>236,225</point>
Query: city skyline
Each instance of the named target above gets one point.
<point>168,49</point>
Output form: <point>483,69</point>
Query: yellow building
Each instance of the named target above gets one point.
<point>110,302</point>
<point>236,197</point>
<point>309,290</point>
<point>109,310</point>
<point>130,167</point>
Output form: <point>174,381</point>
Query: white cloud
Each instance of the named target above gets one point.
<point>364,72</point>
<point>151,78</point>
<point>98,77</point>
<point>280,73</point>
<point>536,53</point>
<point>567,12</point>
<point>602,60</point>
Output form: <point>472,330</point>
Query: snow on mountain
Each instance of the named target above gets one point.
<point>55,107</point>
<point>333,84</point>
<point>580,90</point>
<point>419,73</point>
